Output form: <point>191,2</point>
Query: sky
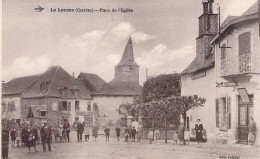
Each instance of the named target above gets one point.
<point>163,34</point>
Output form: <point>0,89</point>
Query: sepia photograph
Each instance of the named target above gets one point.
<point>136,79</point>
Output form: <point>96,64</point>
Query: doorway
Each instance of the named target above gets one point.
<point>245,111</point>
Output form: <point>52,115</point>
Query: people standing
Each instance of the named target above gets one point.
<point>60,134</point>
<point>46,136</point>
<point>187,136</point>
<point>150,136</point>
<point>86,133</point>
<point>126,134</point>
<point>39,135</point>
<point>140,133</point>
<point>181,133</point>
<point>24,134</point>
<point>95,132</point>
<point>80,129</point>
<point>31,138</point>
<point>66,127</point>
<point>133,132</point>
<point>118,130</point>
<point>107,133</point>
<point>175,137</point>
<point>18,137</point>
<point>157,135</point>
<point>13,136</point>
<point>251,131</point>
<point>199,129</point>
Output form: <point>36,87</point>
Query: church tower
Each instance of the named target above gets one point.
<point>208,28</point>
<point>127,69</point>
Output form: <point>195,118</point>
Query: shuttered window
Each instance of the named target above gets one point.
<point>245,43</point>
<point>217,113</point>
<point>228,113</point>
<point>223,51</point>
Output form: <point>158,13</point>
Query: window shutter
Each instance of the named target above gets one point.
<point>217,113</point>
<point>60,105</point>
<point>69,106</point>
<point>228,113</point>
<point>244,43</point>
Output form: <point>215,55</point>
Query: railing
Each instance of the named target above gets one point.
<point>237,65</point>
<point>84,113</point>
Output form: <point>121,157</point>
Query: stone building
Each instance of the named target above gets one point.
<point>54,96</point>
<point>237,65</point>
<point>225,63</point>
<point>121,90</point>
<point>199,77</point>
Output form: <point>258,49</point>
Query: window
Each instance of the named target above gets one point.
<point>89,108</point>
<point>223,51</point>
<point>64,106</point>
<point>43,113</point>
<point>244,43</point>
<point>76,105</point>
<point>76,118</point>
<point>223,113</point>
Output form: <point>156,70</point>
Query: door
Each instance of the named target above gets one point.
<point>245,111</point>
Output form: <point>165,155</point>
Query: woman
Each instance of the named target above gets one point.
<point>31,138</point>
<point>181,133</point>
<point>198,129</point>
<point>251,131</point>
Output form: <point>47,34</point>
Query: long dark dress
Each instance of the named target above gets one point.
<point>198,129</point>
<point>30,138</point>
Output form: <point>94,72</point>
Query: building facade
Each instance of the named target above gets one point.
<point>53,96</point>
<point>237,56</point>
<point>121,90</point>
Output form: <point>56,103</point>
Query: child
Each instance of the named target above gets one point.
<point>150,136</point>
<point>18,137</point>
<point>126,134</point>
<point>39,135</point>
<point>13,136</point>
<point>86,132</point>
<point>175,137</point>
<point>187,136</point>
<point>56,134</point>
<point>157,135</point>
<point>60,134</point>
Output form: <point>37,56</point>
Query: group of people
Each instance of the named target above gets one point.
<point>30,136</point>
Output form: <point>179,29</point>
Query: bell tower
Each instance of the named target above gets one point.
<point>127,69</point>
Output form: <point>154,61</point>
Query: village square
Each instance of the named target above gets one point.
<point>209,109</point>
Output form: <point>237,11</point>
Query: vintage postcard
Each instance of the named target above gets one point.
<point>136,79</point>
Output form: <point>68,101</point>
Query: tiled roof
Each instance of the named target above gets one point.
<point>252,10</point>
<point>128,55</point>
<point>50,84</point>
<point>19,85</point>
<point>92,81</point>
<point>197,66</point>
<point>120,88</point>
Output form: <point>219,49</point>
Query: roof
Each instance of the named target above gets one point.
<point>19,85</point>
<point>196,66</point>
<point>128,55</point>
<point>120,88</point>
<point>92,81</point>
<point>251,13</point>
<point>50,83</point>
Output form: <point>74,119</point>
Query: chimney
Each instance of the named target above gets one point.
<point>205,6</point>
<point>211,6</point>
<point>72,74</point>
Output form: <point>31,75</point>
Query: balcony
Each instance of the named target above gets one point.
<point>237,65</point>
<point>84,113</point>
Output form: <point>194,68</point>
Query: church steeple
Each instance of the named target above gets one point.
<point>128,55</point>
<point>127,68</point>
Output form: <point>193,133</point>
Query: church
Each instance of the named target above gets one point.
<point>121,90</point>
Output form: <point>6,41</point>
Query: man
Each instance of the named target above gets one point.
<point>46,136</point>
<point>66,127</point>
<point>107,133</point>
<point>133,132</point>
<point>118,132</point>
<point>80,129</point>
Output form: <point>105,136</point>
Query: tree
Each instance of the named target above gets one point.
<point>161,86</point>
<point>185,103</point>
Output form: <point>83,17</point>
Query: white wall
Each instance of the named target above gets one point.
<point>203,87</point>
<point>16,100</point>
<point>108,105</point>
